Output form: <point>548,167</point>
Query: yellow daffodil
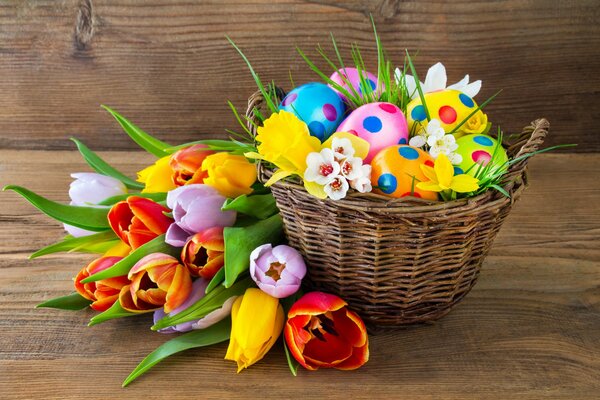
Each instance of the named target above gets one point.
<point>157,177</point>
<point>285,141</point>
<point>442,179</point>
<point>231,175</point>
<point>474,125</point>
<point>256,323</point>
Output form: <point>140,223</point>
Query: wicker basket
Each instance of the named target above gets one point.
<point>398,261</point>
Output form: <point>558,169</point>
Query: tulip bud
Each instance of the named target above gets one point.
<point>277,271</point>
<point>230,174</point>
<point>102,293</point>
<point>203,253</point>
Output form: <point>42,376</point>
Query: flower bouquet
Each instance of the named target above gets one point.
<point>364,196</point>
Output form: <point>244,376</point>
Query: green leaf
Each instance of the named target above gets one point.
<point>217,145</point>
<point>102,167</point>
<point>116,311</point>
<point>214,334</point>
<point>258,206</point>
<point>292,363</point>
<point>216,280</point>
<point>157,197</point>
<point>501,190</point>
<point>156,245</point>
<point>95,243</point>
<point>144,140</point>
<point>418,84</point>
<point>92,219</point>
<point>241,241</point>
<point>209,303</point>
<point>73,302</point>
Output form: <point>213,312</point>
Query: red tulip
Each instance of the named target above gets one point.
<point>203,253</point>
<point>186,165</point>
<point>322,333</point>
<point>102,293</point>
<point>138,220</point>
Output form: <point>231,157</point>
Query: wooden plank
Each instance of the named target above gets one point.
<point>529,329</point>
<point>167,65</point>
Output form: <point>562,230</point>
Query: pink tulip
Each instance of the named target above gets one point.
<point>277,271</point>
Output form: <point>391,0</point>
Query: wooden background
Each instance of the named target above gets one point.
<point>167,65</point>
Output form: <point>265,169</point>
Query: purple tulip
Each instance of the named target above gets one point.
<point>277,271</point>
<point>89,189</point>
<point>198,291</point>
<point>195,208</point>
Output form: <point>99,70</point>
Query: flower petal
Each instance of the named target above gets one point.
<point>464,183</point>
<point>443,170</point>
<point>436,78</point>
<point>315,303</point>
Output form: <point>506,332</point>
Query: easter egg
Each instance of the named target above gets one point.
<point>318,106</point>
<point>396,171</point>
<point>479,149</point>
<point>450,107</point>
<point>380,124</point>
<point>350,79</point>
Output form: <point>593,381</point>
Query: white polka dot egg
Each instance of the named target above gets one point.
<point>380,124</point>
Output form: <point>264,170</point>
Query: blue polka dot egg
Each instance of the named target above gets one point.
<point>396,171</point>
<point>318,106</point>
<point>450,107</point>
<point>481,150</point>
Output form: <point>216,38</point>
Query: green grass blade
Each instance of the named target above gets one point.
<point>143,139</point>
<point>413,70</point>
<point>71,302</point>
<point>485,103</point>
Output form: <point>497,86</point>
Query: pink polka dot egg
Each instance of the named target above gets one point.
<point>449,106</point>
<point>397,170</point>
<point>481,150</point>
<point>350,79</point>
<point>380,124</point>
<point>318,106</point>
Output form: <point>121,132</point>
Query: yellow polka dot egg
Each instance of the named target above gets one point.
<point>396,170</point>
<point>450,107</point>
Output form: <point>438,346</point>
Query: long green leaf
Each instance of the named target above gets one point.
<point>143,139</point>
<point>101,166</point>
<point>209,303</point>
<point>241,241</point>
<point>216,280</point>
<point>157,197</point>
<point>92,219</point>
<point>258,206</point>
<point>156,245</point>
<point>292,363</point>
<point>214,334</point>
<point>114,312</point>
<point>72,302</point>
<point>85,244</point>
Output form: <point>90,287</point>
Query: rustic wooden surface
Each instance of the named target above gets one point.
<point>167,65</point>
<point>530,328</point>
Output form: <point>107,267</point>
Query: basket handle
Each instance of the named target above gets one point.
<point>527,143</point>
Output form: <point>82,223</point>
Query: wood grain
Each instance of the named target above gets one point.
<point>528,330</point>
<point>167,65</point>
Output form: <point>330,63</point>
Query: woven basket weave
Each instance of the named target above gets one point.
<point>398,261</point>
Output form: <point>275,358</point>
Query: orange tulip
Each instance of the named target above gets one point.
<point>102,293</point>
<point>138,220</point>
<point>203,253</point>
<point>186,165</point>
<point>157,280</point>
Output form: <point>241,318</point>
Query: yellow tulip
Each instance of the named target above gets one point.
<point>231,175</point>
<point>256,323</point>
<point>157,177</point>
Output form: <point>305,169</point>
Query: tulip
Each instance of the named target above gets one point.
<point>322,333</point>
<point>203,253</point>
<point>231,175</point>
<point>157,280</point>
<point>102,293</point>
<point>138,220</point>
<point>197,293</point>
<point>89,189</point>
<point>256,323</point>
<point>195,209</point>
<point>277,271</point>
<point>157,177</point>
<point>186,165</point>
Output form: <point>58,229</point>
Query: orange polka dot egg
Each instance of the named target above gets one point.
<point>450,107</point>
<point>397,170</point>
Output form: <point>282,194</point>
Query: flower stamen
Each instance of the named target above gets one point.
<point>275,270</point>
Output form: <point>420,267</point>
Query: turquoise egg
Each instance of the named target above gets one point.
<point>318,106</point>
<point>479,149</point>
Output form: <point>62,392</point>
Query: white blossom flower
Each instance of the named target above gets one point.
<point>445,144</point>
<point>436,79</point>
<point>322,167</point>
<point>342,148</point>
<point>351,168</point>
<point>337,188</point>
<point>433,129</point>
<point>362,184</point>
